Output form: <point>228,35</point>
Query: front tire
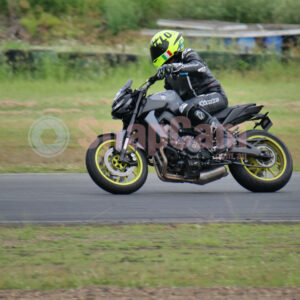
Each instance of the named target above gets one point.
<point>265,175</point>
<point>104,167</point>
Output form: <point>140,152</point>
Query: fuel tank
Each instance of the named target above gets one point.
<point>167,100</point>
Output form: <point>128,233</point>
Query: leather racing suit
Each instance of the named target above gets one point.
<point>196,85</point>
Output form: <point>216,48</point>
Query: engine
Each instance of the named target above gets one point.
<point>187,162</point>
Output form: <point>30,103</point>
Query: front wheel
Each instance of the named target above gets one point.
<point>104,167</point>
<point>268,175</point>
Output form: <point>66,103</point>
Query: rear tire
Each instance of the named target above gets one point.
<point>108,173</point>
<point>271,175</point>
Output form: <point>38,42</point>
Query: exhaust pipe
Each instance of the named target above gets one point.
<point>204,177</point>
<point>212,175</point>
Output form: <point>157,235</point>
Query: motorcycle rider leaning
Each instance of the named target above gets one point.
<point>187,74</point>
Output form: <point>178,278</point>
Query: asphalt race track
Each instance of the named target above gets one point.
<point>74,198</point>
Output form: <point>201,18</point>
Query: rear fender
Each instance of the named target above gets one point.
<point>265,121</point>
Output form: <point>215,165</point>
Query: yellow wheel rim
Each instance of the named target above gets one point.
<point>271,169</point>
<point>112,169</point>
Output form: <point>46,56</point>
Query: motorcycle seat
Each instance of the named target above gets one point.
<point>224,113</point>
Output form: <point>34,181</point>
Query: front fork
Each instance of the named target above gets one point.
<point>125,139</point>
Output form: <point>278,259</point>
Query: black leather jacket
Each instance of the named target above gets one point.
<point>195,77</point>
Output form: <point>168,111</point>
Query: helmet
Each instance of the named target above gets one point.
<point>164,45</point>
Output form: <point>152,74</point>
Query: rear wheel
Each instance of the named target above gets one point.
<point>264,175</point>
<point>104,166</point>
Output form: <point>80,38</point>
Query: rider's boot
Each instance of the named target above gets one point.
<point>198,115</point>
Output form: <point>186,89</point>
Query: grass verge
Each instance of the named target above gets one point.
<point>36,257</point>
<point>84,106</point>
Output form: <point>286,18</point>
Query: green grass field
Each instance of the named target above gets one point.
<point>84,105</point>
<point>55,257</point>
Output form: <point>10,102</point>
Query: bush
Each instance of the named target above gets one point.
<point>3,6</point>
<point>31,24</point>
<point>49,21</point>
<point>34,23</point>
<point>250,11</point>
<point>120,15</point>
<point>60,6</point>
<point>130,14</point>
<point>287,11</point>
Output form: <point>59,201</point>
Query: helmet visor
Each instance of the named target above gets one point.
<point>157,50</point>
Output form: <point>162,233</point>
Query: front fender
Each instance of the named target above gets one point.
<point>119,137</point>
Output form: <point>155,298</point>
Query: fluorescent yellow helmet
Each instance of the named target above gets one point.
<point>164,45</point>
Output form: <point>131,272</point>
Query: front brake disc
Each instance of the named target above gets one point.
<point>107,161</point>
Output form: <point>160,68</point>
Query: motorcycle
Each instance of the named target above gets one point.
<point>155,134</point>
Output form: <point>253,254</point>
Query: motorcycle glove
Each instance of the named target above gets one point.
<point>175,68</point>
<point>168,69</point>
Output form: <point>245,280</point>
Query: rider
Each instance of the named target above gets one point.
<point>187,74</point>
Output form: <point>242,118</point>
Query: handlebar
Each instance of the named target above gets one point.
<point>144,87</point>
<point>153,78</point>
